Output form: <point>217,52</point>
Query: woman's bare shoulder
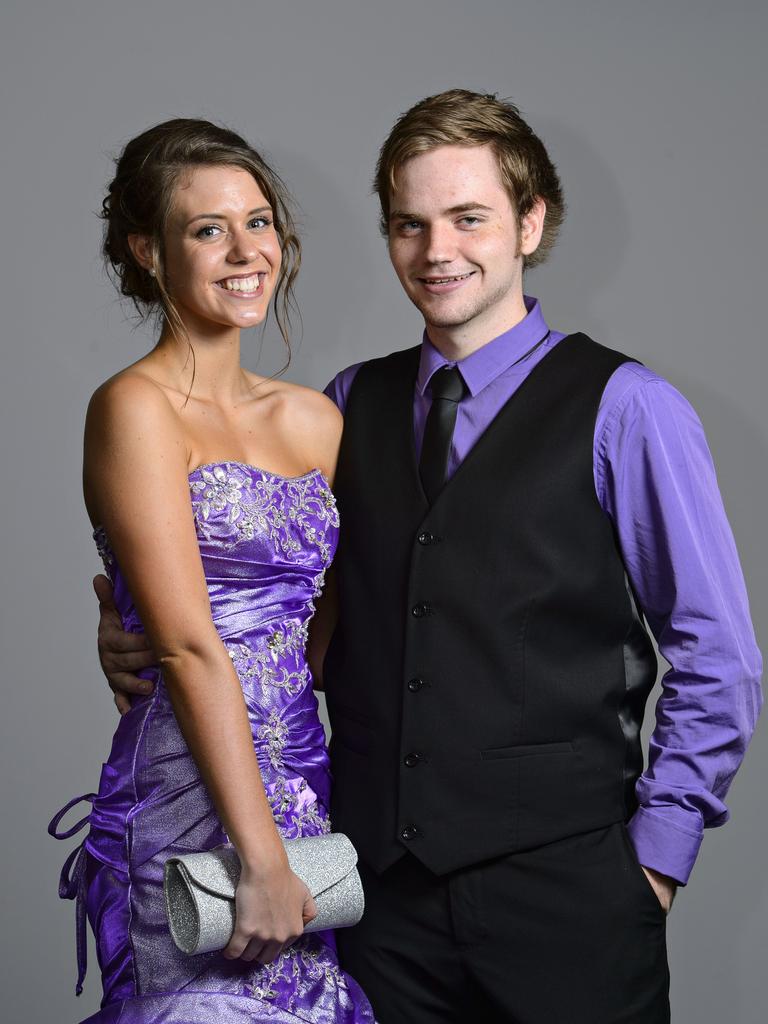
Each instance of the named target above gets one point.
<point>131,416</point>
<point>131,394</point>
<point>312,421</point>
<point>131,431</point>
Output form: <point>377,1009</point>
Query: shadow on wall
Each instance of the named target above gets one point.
<point>345,272</point>
<point>595,235</point>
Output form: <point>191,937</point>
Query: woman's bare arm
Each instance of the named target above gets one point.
<point>137,487</point>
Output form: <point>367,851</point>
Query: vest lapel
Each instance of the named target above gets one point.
<point>514,406</point>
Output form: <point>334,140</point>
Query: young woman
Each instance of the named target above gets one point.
<point>210,493</point>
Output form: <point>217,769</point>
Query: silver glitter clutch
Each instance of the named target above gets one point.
<point>200,889</point>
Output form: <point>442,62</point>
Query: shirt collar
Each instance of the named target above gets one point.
<point>485,364</point>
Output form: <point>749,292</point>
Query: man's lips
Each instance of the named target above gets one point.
<point>440,284</point>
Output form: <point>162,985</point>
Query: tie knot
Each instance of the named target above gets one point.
<point>447,383</point>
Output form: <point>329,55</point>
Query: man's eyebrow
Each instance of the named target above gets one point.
<point>466,207</point>
<point>223,216</point>
<point>461,208</point>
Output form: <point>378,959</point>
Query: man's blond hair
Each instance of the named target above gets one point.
<point>459,117</point>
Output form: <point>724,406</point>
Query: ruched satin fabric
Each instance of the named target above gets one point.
<point>265,544</point>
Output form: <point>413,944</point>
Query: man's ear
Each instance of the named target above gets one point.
<point>141,247</point>
<point>531,227</point>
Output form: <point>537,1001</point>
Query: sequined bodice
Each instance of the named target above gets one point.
<point>265,544</point>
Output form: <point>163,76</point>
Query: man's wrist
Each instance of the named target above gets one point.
<point>662,844</point>
<point>664,887</point>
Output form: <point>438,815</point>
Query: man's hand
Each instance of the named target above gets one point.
<point>121,654</point>
<point>664,887</point>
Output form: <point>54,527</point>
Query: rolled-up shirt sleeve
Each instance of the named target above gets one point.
<point>656,481</point>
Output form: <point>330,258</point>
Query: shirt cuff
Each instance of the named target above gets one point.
<point>663,845</point>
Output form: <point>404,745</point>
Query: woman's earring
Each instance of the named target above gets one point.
<point>152,272</point>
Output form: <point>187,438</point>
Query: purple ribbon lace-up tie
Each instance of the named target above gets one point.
<point>72,881</point>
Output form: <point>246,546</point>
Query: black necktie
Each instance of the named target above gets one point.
<point>447,387</point>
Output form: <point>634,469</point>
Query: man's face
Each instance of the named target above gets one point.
<point>454,240</point>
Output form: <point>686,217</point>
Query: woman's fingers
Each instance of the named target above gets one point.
<point>238,944</point>
<point>252,950</point>
<point>309,910</point>
<point>270,951</point>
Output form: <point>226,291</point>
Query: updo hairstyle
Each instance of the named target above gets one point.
<point>140,198</point>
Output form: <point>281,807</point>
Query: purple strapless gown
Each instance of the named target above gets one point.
<point>265,543</point>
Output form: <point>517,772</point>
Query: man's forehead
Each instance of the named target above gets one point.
<point>448,180</point>
<point>448,176</point>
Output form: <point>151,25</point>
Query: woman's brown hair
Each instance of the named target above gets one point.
<point>140,199</point>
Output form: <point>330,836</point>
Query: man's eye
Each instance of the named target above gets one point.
<point>470,221</point>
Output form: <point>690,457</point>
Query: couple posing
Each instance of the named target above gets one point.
<point>515,505</point>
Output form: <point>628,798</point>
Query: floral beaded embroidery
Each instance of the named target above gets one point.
<point>274,735</point>
<point>218,489</point>
<point>103,549</point>
<point>304,959</point>
<point>261,665</point>
<point>287,510</point>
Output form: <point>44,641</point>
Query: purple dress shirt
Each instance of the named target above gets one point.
<point>655,479</point>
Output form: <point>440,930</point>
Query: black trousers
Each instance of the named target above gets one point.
<point>570,933</point>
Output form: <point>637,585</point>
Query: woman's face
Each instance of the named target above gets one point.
<point>222,253</point>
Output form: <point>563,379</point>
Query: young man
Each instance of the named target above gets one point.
<point>514,502</point>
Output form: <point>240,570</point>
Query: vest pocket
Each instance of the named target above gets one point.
<point>531,749</point>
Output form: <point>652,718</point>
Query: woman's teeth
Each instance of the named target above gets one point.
<point>241,284</point>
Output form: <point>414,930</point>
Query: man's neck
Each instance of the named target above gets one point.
<point>457,342</point>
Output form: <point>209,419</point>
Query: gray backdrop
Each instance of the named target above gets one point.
<point>654,114</point>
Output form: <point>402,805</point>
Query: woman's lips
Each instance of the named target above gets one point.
<point>246,286</point>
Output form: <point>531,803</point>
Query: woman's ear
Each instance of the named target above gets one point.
<point>141,247</point>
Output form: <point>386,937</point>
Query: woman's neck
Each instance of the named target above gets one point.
<point>205,367</point>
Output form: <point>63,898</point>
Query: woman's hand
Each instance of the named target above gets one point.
<point>272,907</point>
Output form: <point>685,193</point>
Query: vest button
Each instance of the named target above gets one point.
<point>412,759</point>
<point>414,685</point>
<point>409,832</point>
<point>420,610</point>
<point>425,538</point>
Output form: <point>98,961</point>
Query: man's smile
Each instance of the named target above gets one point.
<point>438,285</point>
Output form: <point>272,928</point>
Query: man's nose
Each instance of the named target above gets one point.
<point>441,244</point>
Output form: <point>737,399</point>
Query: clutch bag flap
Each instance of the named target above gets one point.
<point>200,889</point>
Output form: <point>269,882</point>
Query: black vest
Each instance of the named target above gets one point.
<point>487,678</point>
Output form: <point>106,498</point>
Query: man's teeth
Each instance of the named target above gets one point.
<point>241,284</point>
<point>446,280</point>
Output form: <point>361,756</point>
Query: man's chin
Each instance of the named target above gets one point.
<point>444,318</point>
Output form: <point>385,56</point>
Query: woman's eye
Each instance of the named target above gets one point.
<point>259,222</point>
<point>207,231</point>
